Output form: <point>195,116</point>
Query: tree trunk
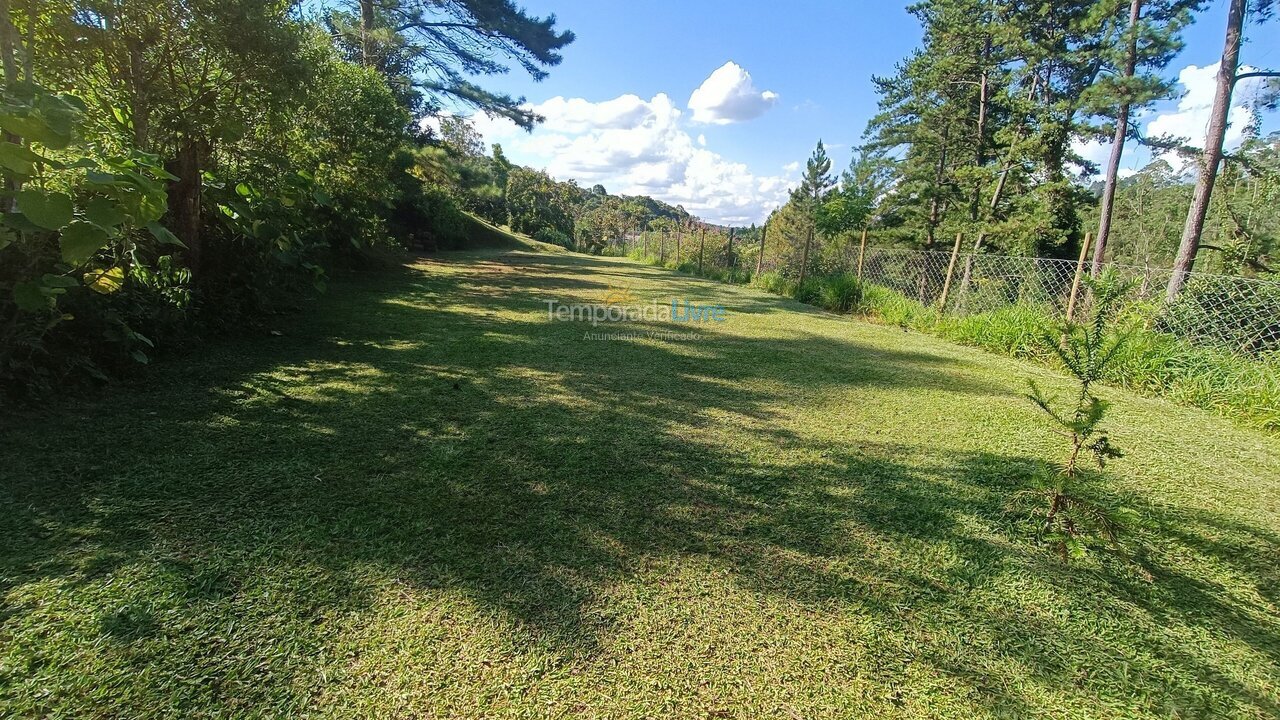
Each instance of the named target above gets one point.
<point>184,201</point>
<point>934,210</point>
<point>366,32</point>
<point>702,245</point>
<point>732,263</point>
<point>1117,144</point>
<point>1212,152</point>
<point>980,142</point>
<point>9,43</point>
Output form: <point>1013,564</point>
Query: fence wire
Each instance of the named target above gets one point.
<point>1240,314</point>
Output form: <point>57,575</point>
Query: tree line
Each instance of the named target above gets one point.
<point>173,168</point>
<point>977,133</point>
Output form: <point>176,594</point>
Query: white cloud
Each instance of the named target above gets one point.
<point>638,147</point>
<point>1190,119</point>
<point>729,96</point>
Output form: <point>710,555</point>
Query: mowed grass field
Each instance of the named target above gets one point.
<point>424,499</point>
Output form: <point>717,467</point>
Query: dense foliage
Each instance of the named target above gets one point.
<point>172,168</point>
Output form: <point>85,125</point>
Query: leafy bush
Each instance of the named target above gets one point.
<point>83,259</point>
<point>808,292</point>
<point>841,293</point>
<point>554,237</point>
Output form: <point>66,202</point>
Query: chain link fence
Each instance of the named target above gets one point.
<point>1240,314</point>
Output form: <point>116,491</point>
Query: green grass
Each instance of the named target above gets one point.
<point>424,499</point>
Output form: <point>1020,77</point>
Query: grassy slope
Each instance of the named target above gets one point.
<point>425,499</point>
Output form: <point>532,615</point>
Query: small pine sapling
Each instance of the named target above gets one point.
<point>1071,519</point>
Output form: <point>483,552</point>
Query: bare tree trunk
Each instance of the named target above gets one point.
<point>702,245</point>
<point>1212,152</point>
<point>934,210</point>
<point>366,32</point>
<point>1117,144</point>
<point>980,142</point>
<point>732,262</point>
<point>9,43</point>
<point>184,201</point>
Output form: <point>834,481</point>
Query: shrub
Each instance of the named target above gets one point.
<point>808,292</point>
<point>773,282</point>
<point>841,293</point>
<point>552,236</point>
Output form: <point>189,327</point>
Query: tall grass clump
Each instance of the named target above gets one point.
<point>773,282</point>
<point>808,292</point>
<point>1014,330</point>
<point>882,304</point>
<point>841,293</point>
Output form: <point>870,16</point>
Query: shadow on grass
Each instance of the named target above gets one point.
<point>437,431</point>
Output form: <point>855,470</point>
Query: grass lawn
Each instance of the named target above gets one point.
<point>425,499</point>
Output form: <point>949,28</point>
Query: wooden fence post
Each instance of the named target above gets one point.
<point>951,268</point>
<point>764,233</point>
<point>678,229</point>
<point>862,252</point>
<point>968,264</point>
<point>1075,282</point>
<point>702,244</point>
<point>662,247</point>
<point>733,262</point>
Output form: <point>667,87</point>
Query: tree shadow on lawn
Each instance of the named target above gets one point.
<point>470,450</point>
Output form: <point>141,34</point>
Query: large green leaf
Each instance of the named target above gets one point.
<point>27,296</point>
<point>17,159</point>
<point>80,240</point>
<point>49,210</point>
<point>163,235</point>
<point>104,211</point>
<point>105,282</point>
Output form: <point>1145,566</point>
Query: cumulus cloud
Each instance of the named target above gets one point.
<point>729,96</point>
<point>1188,120</point>
<point>1191,118</point>
<point>639,147</point>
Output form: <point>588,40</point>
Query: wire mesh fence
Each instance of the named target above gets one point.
<point>1240,314</point>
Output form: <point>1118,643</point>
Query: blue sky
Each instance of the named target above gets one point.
<point>801,71</point>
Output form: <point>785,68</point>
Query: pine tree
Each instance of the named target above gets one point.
<point>1152,38</point>
<point>1208,167</point>
<point>435,47</point>
<point>814,186</point>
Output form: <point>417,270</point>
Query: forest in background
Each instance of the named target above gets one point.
<point>978,133</point>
